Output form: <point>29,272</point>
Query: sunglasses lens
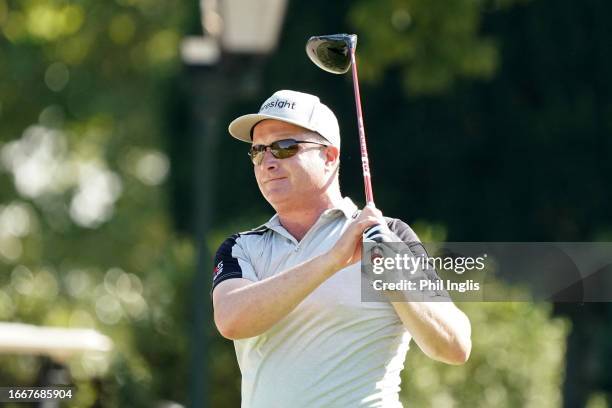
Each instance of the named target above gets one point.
<point>257,153</point>
<point>281,149</point>
<point>284,148</point>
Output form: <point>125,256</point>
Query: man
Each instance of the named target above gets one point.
<point>288,292</point>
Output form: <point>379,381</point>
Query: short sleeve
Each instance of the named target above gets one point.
<point>410,238</point>
<point>232,262</point>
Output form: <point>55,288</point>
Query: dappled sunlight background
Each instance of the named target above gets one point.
<point>86,240</point>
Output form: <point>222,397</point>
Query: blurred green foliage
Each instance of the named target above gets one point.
<point>85,235</point>
<point>434,42</point>
<point>516,361</point>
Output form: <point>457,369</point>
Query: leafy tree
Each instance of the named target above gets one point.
<point>86,240</point>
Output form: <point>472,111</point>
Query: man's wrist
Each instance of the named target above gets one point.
<point>330,263</point>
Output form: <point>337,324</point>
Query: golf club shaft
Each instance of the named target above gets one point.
<point>365,163</point>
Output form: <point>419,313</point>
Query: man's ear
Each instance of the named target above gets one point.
<point>332,155</point>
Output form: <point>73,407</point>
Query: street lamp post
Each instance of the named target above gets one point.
<point>233,30</point>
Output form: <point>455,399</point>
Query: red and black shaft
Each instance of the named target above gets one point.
<point>365,162</point>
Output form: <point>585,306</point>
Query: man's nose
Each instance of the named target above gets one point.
<point>269,161</point>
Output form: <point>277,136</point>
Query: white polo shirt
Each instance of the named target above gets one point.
<point>331,351</point>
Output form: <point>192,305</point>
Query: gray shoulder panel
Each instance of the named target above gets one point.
<point>406,234</point>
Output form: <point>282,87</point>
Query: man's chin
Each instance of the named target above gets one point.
<point>278,198</point>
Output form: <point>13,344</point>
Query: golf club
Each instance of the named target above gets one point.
<point>335,53</point>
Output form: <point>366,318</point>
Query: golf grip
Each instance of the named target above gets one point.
<point>365,163</point>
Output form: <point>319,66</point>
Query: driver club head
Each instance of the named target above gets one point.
<point>331,53</point>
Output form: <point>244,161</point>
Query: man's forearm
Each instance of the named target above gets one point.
<point>440,329</point>
<point>252,309</point>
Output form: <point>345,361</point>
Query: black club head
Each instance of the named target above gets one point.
<point>331,53</point>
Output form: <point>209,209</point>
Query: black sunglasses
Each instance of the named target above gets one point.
<point>281,149</point>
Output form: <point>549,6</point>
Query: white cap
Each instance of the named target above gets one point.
<point>298,108</point>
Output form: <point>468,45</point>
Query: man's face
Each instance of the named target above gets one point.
<point>296,179</point>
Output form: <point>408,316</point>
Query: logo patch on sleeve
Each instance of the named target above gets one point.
<point>218,269</point>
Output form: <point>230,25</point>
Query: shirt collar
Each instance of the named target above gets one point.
<point>344,206</point>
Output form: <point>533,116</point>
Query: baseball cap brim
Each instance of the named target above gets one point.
<point>241,127</point>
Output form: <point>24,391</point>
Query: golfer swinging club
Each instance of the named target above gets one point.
<point>288,292</point>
